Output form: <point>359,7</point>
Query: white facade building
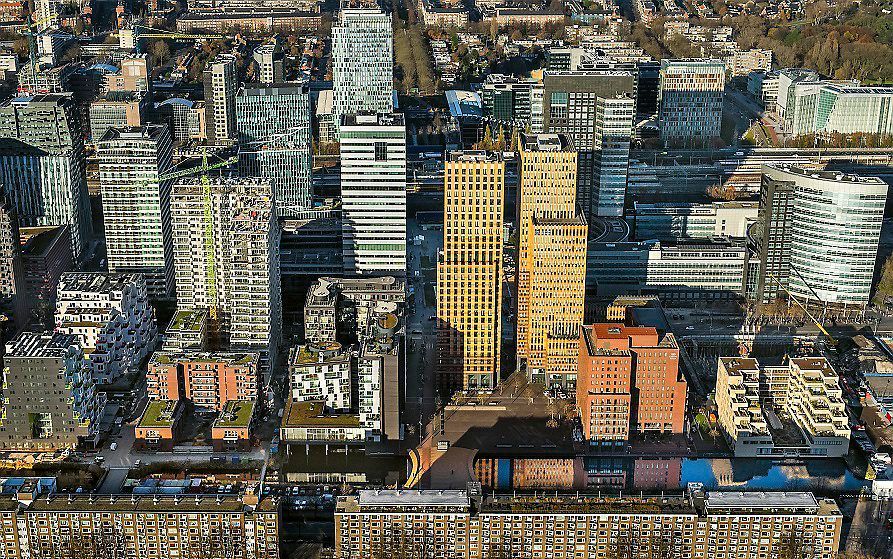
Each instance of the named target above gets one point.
<point>362,62</point>
<point>613,129</point>
<point>373,194</point>
<point>230,264</point>
<point>136,205</point>
<point>111,317</point>
<point>321,372</point>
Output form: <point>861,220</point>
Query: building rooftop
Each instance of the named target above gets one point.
<point>313,414</point>
<point>235,413</point>
<point>546,142</point>
<point>95,282</point>
<point>160,413</point>
<point>760,500</point>
<point>192,320</point>
<point>370,119</point>
<point>145,132</point>
<point>323,352</point>
<point>832,176</point>
<point>37,241</point>
<point>40,344</point>
<point>178,504</point>
<point>474,156</point>
<point>186,356</point>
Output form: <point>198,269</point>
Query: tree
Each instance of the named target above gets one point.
<point>884,288</point>
<point>161,52</point>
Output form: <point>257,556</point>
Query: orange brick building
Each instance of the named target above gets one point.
<point>628,380</point>
<point>209,380</point>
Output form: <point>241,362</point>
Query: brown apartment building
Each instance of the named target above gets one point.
<point>628,380</point>
<point>209,380</point>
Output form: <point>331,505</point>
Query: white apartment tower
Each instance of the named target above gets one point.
<point>362,62</point>
<point>373,194</point>
<point>136,205</point>
<point>111,317</point>
<point>221,84</point>
<point>229,263</point>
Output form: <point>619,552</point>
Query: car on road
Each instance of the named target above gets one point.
<point>113,446</point>
<point>689,327</point>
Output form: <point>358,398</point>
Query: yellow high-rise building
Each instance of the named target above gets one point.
<point>469,272</point>
<point>551,257</point>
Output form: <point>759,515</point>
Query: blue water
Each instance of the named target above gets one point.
<point>756,474</point>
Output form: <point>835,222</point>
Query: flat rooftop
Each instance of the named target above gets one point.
<point>760,500</point>
<point>236,413</point>
<point>313,414</point>
<point>94,282</point>
<point>160,413</point>
<point>176,504</point>
<point>190,320</point>
<point>545,142</point>
<point>40,344</point>
<point>474,156</point>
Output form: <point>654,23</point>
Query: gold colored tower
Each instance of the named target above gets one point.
<point>469,272</point>
<point>551,258</point>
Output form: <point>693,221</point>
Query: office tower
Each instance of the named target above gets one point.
<point>207,379</point>
<point>321,372</point>
<point>362,62</point>
<point>592,108</point>
<point>61,526</point>
<point>116,109</point>
<point>136,205</point>
<point>613,128</point>
<point>698,525</point>
<point>841,108</point>
<point>110,316</point>
<point>511,100</point>
<point>269,63</point>
<point>14,301</point>
<point>628,382</point>
<point>469,272</point>
<point>226,259</point>
<point>221,82</point>
<point>373,194</point>
<point>42,166</point>
<point>817,237</point>
<point>184,118</point>
<point>46,255</point>
<point>551,254</point>
<point>691,96</point>
<point>274,141</point>
<point>49,394</point>
<point>788,78</point>
<point>802,398</point>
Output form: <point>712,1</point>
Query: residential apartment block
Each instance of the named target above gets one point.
<point>712,525</point>
<point>49,394</point>
<point>208,379</point>
<point>469,272</point>
<point>229,264</point>
<point>628,380</point>
<point>111,317</point>
<point>321,372</point>
<point>796,409</point>
<point>61,526</point>
<point>221,82</point>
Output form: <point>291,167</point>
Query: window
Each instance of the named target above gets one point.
<point>381,151</point>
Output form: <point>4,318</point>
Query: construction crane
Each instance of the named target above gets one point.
<point>31,29</point>
<point>208,220</point>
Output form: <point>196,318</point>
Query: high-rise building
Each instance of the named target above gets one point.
<point>593,109</point>
<point>691,97</point>
<point>274,141</point>
<point>136,205</point>
<point>373,194</point>
<point>469,272</point>
<point>512,100</point>
<point>551,254</point>
<point>221,82</point>
<point>111,318</point>
<point>116,109</point>
<point>14,301</point>
<point>269,63</point>
<point>42,164</point>
<point>207,379</point>
<point>46,255</point>
<point>613,129</point>
<point>698,525</point>
<point>842,108</point>
<point>50,400</point>
<point>380,373</point>
<point>362,62</point>
<point>628,381</point>
<point>226,259</point>
<point>133,75</point>
<point>817,237</point>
